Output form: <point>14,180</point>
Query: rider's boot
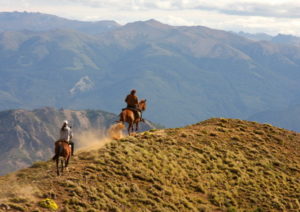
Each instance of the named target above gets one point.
<point>72,149</point>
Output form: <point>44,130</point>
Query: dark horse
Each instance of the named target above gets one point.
<point>62,149</point>
<point>129,116</point>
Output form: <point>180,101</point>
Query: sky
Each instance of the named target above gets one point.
<point>253,16</point>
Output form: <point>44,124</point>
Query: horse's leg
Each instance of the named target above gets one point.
<point>62,166</point>
<point>132,127</point>
<point>57,155</point>
<point>67,162</point>
<point>137,126</point>
<point>129,127</point>
<point>57,166</point>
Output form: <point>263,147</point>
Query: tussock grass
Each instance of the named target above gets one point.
<point>216,165</point>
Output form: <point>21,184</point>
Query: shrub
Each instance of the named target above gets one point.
<point>17,207</point>
<point>213,134</point>
<point>39,164</point>
<point>18,200</point>
<point>231,209</point>
<point>235,138</point>
<point>48,203</point>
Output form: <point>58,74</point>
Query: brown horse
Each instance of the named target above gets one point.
<point>128,116</point>
<point>62,149</point>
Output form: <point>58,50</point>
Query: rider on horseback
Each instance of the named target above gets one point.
<point>132,103</point>
<point>133,113</point>
<point>66,135</point>
<point>64,147</point>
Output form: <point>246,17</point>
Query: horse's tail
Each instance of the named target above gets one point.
<point>55,157</point>
<point>58,152</point>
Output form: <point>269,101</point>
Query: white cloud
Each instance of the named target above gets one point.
<point>261,9</point>
<point>272,16</point>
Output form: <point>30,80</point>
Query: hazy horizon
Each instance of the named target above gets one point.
<point>271,17</point>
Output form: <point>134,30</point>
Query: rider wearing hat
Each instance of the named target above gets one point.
<point>132,103</point>
<point>132,100</point>
<point>66,134</point>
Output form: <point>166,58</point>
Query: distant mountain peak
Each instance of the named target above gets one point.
<point>286,39</point>
<point>150,23</point>
<point>255,36</point>
<point>153,21</point>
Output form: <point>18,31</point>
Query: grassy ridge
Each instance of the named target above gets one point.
<point>215,165</point>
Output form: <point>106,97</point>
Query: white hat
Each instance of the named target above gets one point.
<point>66,122</point>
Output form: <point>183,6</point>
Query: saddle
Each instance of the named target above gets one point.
<point>137,112</point>
<point>62,140</point>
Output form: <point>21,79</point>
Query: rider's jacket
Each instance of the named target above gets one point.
<point>66,134</point>
<point>131,100</point>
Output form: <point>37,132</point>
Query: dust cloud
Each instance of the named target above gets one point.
<point>116,131</point>
<point>84,141</point>
<point>95,139</point>
<point>14,190</point>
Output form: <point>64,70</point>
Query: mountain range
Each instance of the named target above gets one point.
<point>187,74</point>
<point>27,136</point>
<point>15,21</point>
<point>279,39</point>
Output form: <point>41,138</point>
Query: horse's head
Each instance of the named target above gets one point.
<point>142,104</point>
